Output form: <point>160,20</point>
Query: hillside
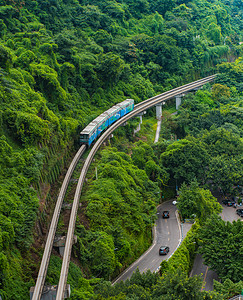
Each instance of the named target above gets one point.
<point>64,62</point>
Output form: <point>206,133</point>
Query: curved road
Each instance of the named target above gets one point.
<point>167,232</point>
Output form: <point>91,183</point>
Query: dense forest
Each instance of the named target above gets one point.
<point>64,62</point>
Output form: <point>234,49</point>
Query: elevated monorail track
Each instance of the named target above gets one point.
<point>52,230</point>
<point>139,108</point>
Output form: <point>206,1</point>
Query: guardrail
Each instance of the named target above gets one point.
<point>238,297</point>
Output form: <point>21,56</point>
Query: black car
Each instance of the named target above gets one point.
<point>240,212</point>
<point>163,250</point>
<point>226,201</point>
<point>166,214</point>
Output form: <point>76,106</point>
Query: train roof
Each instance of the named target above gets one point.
<point>105,115</point>
<point>90,127</point>
<point>125,102</point>
<point>119,105</point>
<point>101,118</point>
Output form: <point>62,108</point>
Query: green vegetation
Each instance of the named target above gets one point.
<point>195,202</point>
<point>119,205</point>
<point>221,246</point>
<point>172,285</point>
<point>61,64</point>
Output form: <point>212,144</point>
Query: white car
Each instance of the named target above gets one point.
<point>174,202</point>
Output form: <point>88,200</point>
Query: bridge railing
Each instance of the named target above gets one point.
<point>238,297</point>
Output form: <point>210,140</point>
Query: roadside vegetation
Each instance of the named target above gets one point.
<point>61,64</point>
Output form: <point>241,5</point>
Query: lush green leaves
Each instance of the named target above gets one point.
<point>221,247</point>
<point>186,159</point>
<point>195,202</point>
<point>59,61</point>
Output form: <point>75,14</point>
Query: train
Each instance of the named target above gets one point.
<point>98,125</point>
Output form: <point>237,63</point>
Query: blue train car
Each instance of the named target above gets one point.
<point>95,128</point>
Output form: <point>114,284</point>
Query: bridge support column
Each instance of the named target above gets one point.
<point>59,242</point>
<point>178,100</point>
<point>140,115</point>
<point>159,110</point>
<point>50,292</point>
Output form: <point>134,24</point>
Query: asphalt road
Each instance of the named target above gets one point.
<point>166,233</point>
<point>228,214</point>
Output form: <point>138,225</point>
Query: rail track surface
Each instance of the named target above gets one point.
<point>139,108</point>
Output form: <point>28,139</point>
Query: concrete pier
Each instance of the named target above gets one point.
<point>59,242</point>
<point>50,292</point>
<point>159,111</point>
<point>140,115</point>
<point>178,100</point>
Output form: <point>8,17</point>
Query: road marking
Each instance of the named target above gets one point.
<point>165,220</point>
<point>168,239</point>
<point>153,260</point>
<point>204,277</point>
<point>168,232</point>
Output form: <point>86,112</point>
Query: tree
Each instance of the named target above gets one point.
<point>142,152</point>
<point>186,159</point>
<point>6,58</point>
<point>221,247</point>
<point>222,142</point>
<point>178,285</point>
<point>225,172</point>
<point>214,33</point>
<point>197,202</point>
<point>220,91</point>
<point>228,288</point>
<point>110,67</point>
<point>103,261</point>
<point>162,6</point>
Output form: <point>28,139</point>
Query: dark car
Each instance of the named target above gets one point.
<point>166,214</point>
<point>163,250</point>
<point>240,212</point>
<point>226,201</point>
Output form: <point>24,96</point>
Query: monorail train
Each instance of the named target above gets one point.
<point>94,129</point>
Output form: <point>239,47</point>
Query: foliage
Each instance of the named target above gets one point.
<point>228,288</point>
<point>221,247</point>
<point>176,285</point>
<point>149,285</point>
<point>220,91</point>
<point>195,202</point>
<point>186,159</point>
<point>120,203</point>
<point>60,61</point>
